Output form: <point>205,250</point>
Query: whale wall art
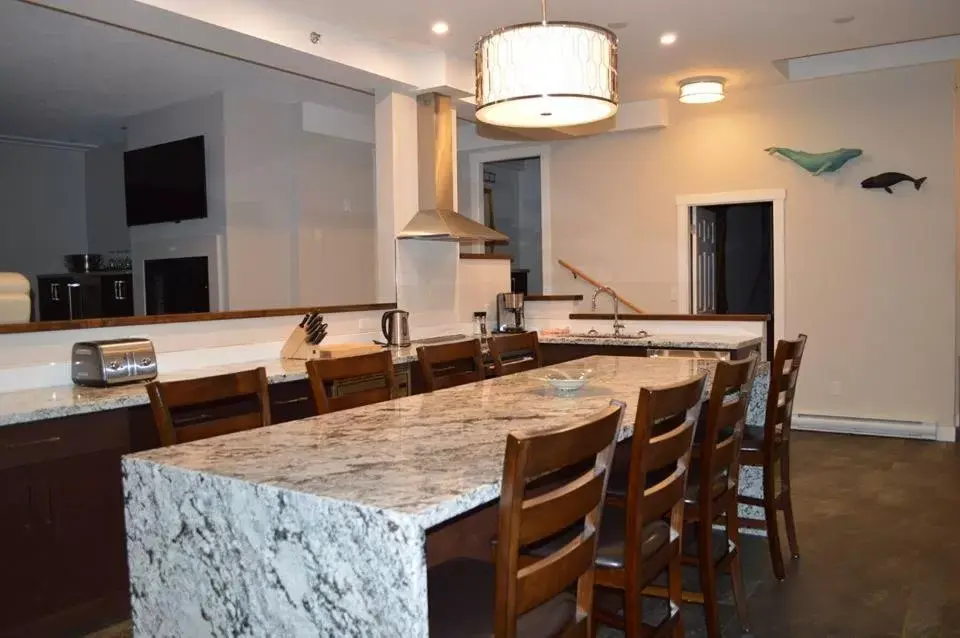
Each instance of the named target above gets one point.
<point>887,181</point>
<point>817,163</point>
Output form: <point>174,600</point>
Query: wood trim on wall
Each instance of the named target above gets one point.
<point>553,298</point>
<point>109,322</point>
<point>484,256</point>
<point>649,317</point>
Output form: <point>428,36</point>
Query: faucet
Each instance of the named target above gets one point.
<point>617,324</point>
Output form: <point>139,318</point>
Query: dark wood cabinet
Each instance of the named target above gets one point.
<point>62,541</point>
<point>560,352</point>
<point>87,296</point>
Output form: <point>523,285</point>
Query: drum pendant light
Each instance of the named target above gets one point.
<point>546,74</point>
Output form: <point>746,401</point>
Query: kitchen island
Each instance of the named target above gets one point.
<point>320,526</point>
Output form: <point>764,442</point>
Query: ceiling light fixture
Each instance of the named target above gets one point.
<point>702,90</point>
<point>668,38</point>
<point>546,74</point>
<point>440,28</point>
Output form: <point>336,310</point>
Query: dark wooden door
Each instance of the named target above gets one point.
<point>116,295</point>
<point>53,298</point>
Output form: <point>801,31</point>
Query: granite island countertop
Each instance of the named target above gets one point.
<point>319,526</point>
<point>37,404</point>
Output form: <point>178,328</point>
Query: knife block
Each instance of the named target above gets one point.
<point>296,346</point>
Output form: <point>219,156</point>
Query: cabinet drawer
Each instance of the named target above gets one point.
<point>54,439</point>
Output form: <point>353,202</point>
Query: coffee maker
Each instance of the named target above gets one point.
<point>510,312</point>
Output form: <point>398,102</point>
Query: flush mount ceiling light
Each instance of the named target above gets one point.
<point>701,90</point>
<point>440,28</point>
<point>668,38</point>
<point>546,74</point>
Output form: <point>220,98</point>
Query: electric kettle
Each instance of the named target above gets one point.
<point>396,327</point>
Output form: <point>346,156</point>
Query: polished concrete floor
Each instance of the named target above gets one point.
<point>878,522</point>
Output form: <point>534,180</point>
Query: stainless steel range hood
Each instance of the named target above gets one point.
<point>436,218</point>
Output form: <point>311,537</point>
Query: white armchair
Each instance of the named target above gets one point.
<point>14,298</point>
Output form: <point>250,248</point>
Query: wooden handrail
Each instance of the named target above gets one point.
<point>579,274</point>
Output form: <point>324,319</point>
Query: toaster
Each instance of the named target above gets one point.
<point>114,361</point>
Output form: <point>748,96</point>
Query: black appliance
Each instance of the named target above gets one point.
<point>176,286</point>
<point>166,183</point>
<point>84,296</point>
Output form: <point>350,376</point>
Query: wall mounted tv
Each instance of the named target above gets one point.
<point>165,183</point>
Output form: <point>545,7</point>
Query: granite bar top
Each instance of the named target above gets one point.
<point>37,404</point>
<point>683,341</point>
<point>426,458</point>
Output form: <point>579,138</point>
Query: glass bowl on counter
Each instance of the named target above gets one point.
<point>566,379</point>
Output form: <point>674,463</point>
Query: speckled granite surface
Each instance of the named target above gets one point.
<point>38,404</point>
<point>687,341</point>
<point>316,527</point>
<point>59,401</point>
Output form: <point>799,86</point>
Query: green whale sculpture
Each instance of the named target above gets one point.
<point>817,163</point>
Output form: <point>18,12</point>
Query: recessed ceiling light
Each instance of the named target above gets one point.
<point>668,38</point>
<point>440,28</point>
<point>843,20</point>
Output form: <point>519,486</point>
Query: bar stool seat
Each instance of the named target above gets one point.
<point>692,495</point>
<point>753,438</point>
<point>613,527</point>
<point>461,599</point>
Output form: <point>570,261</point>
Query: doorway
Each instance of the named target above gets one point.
<point>732,261</point>
<point>513,206</point>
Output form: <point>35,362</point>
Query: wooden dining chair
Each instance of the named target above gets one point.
<point>517,597</point>
<point>372,375</point>
<point>195,409</point>
<point>642,537</point>
<point>451,364</point>
<point>515,352</point>
<point>712,489</point>
<point>767,446</point>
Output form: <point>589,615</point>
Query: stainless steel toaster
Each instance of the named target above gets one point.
<point>114,361</point>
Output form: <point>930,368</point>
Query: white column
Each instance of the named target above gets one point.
<point>395,121</point>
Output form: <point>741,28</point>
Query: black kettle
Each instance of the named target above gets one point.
<point>396,327</point>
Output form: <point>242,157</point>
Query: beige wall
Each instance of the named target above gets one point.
<point>871,277</point>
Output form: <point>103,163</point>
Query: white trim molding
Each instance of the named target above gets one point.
<point>778,198</point>
<point>871,427</point>
<point>542,151</point>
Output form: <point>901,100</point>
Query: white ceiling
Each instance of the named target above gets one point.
<point>738,39</point>
<point>68,79</point>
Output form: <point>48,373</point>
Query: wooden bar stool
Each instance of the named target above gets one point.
<point>764,447</point>
<point>636,543</point>
<point>518,596</point>
<point>712,490</point>
<point>372,374</point>
<point>450,364</point>
<point>515,353</point>
<point>196,409</point>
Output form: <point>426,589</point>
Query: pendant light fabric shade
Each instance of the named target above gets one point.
<point>545,75</point>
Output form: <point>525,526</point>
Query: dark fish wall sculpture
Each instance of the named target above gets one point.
<point>817,163</point>
<point>887,181</point>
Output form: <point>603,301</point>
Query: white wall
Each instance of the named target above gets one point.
<point>337,241</point>
<point>192,237</point>
<point>42,208</point>
<point>260,140</point>
<point>106,205</point>
<point>871,277</point>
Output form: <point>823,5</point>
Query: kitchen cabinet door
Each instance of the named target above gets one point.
<point>21,549</point>
<point>52,298</point>
<point>116,295</point>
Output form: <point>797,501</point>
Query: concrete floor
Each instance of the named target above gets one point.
<point>879,528</point>
<point>878,522</point>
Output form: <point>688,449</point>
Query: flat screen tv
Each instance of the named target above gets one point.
<point>165,183</point>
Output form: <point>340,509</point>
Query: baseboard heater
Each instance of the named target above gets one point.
<point>870,427</point>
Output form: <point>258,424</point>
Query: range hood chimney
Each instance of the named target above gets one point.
<point>436,218</point>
